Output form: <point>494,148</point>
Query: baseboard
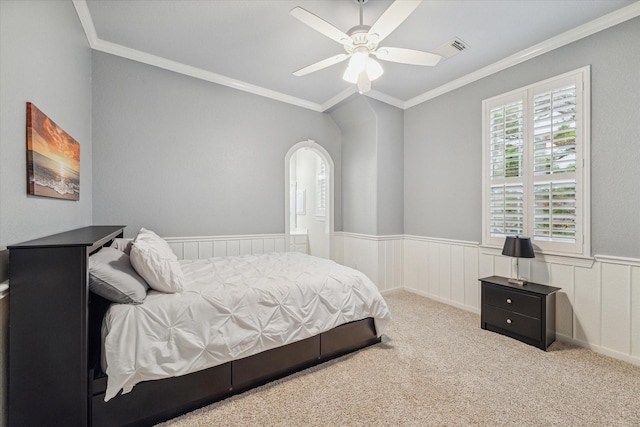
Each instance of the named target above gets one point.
<point>443,300</point>
<point>392,290</point>
<point>634,360</point>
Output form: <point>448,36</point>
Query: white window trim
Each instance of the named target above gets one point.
<point>583,179</point>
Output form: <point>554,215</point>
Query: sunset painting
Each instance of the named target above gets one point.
<point>53,158</point>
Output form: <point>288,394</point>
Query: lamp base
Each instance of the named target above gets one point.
<point>519,282</point>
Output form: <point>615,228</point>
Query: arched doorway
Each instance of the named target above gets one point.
<point>309,196</point>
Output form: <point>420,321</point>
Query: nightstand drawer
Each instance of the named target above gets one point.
<point>529,305</point>
<point>512,322</point>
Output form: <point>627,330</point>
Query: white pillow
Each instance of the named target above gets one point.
<point>112,277</point>
<point>145,234</point>
<point>154,260</point>
<point>122,244</point>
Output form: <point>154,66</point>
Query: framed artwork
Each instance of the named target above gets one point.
<point>53,158</point>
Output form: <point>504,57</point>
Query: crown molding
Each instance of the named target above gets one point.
<point>198,73</point>
<point>606,21</point>
<point>332,102</point>
<point>592,27</point>
<point>125,52</point>
<point>387,99</point>
<point>87,22</point>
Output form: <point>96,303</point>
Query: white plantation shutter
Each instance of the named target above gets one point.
<point>506,145</point>
<point>554,216</point>
<point>506,130</point>
<point>535,178</point>
<point>506,210</point>
<point>554,131</point>
<point>554,165</point>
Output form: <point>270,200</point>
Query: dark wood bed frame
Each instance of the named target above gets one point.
<point>54,346</point>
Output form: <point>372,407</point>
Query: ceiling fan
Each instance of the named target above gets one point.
<point>362,41</point>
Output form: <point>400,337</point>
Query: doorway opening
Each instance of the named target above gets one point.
<point>309,184</point>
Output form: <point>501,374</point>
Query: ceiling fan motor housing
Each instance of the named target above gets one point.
<point>360,37</point>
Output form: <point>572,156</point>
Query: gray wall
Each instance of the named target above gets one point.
<point>44,59</point>
<point>443,166</point>
<point>443,144</point>
<point>357,121</point>
<point>390,167</point>
<point>372,165</point>
<point>185,157</point>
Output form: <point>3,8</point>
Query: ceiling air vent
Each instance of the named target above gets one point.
<point>451,48</point>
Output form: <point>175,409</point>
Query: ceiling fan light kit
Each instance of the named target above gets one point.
<point>362,70</point>
<point>362,41</point>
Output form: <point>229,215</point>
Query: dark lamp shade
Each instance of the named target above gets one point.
<point>519,247</point>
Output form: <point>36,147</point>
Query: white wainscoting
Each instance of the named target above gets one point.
<point>379,257</point>
<point>444,270</point>
<point>598,306</point>
<point>214,246</point>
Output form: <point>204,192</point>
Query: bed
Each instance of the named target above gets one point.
<point>280,313</point>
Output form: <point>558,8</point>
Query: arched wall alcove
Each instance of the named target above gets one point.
<point>330,169</point>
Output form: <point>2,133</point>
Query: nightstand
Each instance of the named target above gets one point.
<point>526,313</point>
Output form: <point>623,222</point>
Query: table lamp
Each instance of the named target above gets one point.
<point>518,247</point>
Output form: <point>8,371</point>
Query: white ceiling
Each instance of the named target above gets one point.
<point>255,45</point>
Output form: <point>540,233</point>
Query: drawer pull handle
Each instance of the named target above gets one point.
<point>509,321</point>
<point>508,300</point>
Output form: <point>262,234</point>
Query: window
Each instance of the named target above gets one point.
<point>535,165</point>
<point>321,187</point>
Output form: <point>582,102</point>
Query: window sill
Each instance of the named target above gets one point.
<point>552,258</point>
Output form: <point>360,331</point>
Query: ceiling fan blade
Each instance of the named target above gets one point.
<point>407,56</point>
<point>320,25</point>
<point>321,64</point>
<point>393,17</point>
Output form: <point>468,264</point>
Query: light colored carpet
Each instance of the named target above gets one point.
<point>436,367</point>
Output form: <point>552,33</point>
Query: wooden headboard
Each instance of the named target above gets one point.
<point>52,330</point>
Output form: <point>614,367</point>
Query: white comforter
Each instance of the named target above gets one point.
<point>233,307</point>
